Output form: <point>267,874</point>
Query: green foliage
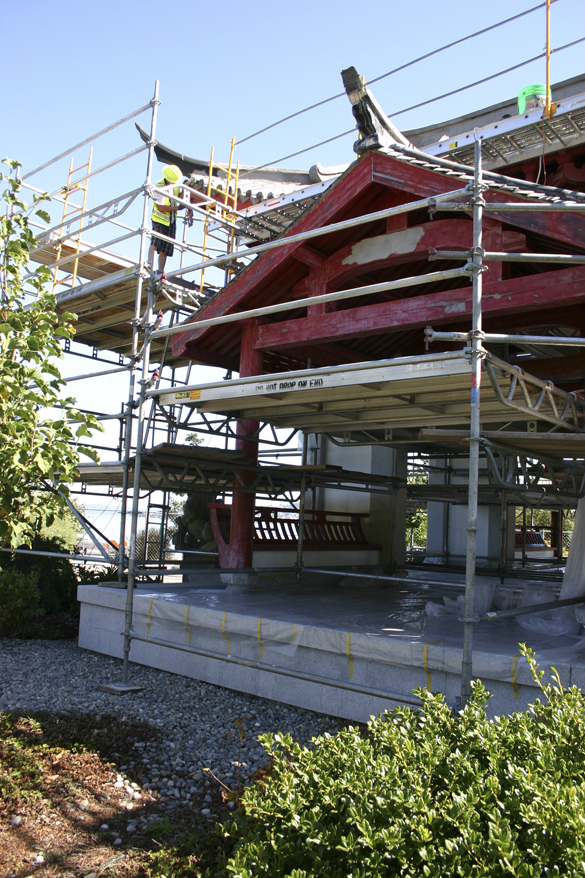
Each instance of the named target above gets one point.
<point>416,517</point>
<point>153,545</point>
<point>21,771</point>
<point>428,793</point>
<point>66,531</point>
<point>416,527</point>
<point>36,453</point>
<point>20,601</point>
<point>93,575</point>
<point>162,828</point>
<point>56,577</point>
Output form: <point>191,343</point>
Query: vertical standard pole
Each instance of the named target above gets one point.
<point>504,533</point>
<point>301,537</point>
<point>547,107</point>
<point>474,431</point>
<point>446,513</point>
<point>145,363</point>
<point>125,471</point>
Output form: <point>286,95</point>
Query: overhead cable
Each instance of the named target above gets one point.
<point>397,69</point>
<point>417,106</point>
<point>448,94</point>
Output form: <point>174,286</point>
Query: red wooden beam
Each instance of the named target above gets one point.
<point>327,210</point>
<point>309,256</point>
<point>267,276</point>
<point>531,293</point>
<point>568,228</point>
<point>396,248</point>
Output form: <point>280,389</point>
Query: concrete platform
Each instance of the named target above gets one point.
<point>360,636</point>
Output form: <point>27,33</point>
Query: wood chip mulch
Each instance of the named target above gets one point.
<point>59,787</point>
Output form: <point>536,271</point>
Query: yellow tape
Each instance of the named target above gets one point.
<point>425,666</point>
<point>294,632</point>
<point>149,612</point>
<point>514,666</point>
<point>186,626</point>
<point>259,641</point>
<point>348,655</point>
<point>223,632</point>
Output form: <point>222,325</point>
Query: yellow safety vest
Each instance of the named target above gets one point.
<point>164,219</point>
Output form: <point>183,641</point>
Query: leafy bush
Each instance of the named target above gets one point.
<point>38,454</point>
<point>428,793</point>
<point>20,600</point>
<point>56,577</point>
<point>94,575</point>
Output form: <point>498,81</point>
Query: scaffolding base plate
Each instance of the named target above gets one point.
<point>119,688</point>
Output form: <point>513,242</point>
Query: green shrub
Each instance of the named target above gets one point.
<point>56,577</point>
<point>428,793</point>
<point>20,600</point>
<point>94,575</point>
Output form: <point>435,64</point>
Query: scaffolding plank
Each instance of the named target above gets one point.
<point>431,390</point>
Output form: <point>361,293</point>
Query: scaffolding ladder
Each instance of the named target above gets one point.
<point>221,216</point>
<point>69,209</point>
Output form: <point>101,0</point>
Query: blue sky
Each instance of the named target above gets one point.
<point>229,68</point>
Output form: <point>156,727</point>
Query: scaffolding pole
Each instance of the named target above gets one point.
<point>131,404</point>
<point>472,200</point>
<point>476,352</point>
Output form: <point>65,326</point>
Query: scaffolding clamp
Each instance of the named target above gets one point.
<point>469,352</point>
<point>473,619</point>
<point>475,267</point>
<point>474,188</point>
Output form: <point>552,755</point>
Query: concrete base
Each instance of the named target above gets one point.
<point>364,636</point>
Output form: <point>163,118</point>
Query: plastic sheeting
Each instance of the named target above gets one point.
<point>574,578</point>
<point>485,589</point>
<point>237,630</point>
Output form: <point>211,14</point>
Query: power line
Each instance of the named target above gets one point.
<point>478,33</point>
<point>417,106</point>
<point>293,154</point>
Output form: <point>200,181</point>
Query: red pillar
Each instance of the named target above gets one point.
<point>242,524</point>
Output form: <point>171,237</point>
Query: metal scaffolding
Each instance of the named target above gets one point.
<point>117,298</point>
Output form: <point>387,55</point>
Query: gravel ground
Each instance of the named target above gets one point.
<point>199,724</point>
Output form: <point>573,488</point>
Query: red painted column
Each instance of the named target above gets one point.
<point>242,523</point>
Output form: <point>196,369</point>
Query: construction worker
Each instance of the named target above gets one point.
<point>164,219</point>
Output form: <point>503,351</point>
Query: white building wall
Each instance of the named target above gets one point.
<point>447,523</point>
<point>386,522</point>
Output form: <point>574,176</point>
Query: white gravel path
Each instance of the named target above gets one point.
<point>198,722</point>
